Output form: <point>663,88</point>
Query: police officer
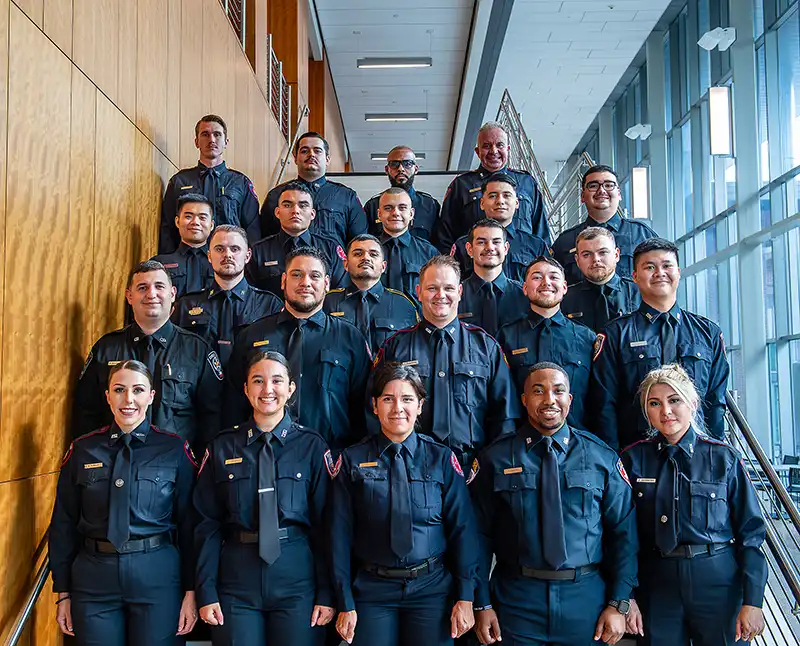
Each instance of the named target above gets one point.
<point>402,530</point>
<point>489,299</point>
<point>187,374</point>
<point>295,213</point>
<point>471,393</point>
<point>231,192</point>
<point>554,507</point>
<point>702,573</point>
<point>601,196</point>
<point>401,169</point>
<point>188,265</point>
<point>328,356</point>
<point>404,253</point>
<point>603,294</point>
<point>218,313</point>
<point>499,202</point>
<point>262,571</point>
<point>123,492</point>
<point>377,311</point>
<point>461,206</point>
<point>658,333</point>
<point>545,334</point>
<point>339,213</point>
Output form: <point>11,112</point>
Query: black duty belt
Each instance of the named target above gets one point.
<point>558,575</point>
<point>129,547</point>
<point>284,534</point>
<point>430,565</point>
<point>690,551</point>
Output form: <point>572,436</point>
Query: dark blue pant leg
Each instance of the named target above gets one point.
<point>239,590</point>
<point>378,609</point>
<point>522,610</point>
<point>575,607</point>
<point>661,601</point>
<point>98,610</point>
<point>715,591</point>
<point>425,610</point>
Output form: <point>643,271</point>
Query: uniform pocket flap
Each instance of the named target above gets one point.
<point>515,481</point>
<point>470,369</point>
<point>358,474</point>
<point>94,474</point>
<point>385,324</point>
<point>584,479</point>
<point>334,358</point>
<point>295,473</point>
<point>157,474</point>
<point>639,353</point>
<point>694,351</point>
<point>711,490</point>
<point>234,472</point>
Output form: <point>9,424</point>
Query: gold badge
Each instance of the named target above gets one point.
<point>195,311</point>
<point>93,465</point>
<point>258,344</point>
<point>337,313</point>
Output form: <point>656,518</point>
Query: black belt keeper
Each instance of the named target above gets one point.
<point>690,551</point>
<point>558,575</point>
<point>249,538</point>
<point>430,565</point>
<point>129,547</point>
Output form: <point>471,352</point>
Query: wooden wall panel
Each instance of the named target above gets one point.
<point>174,38</point>
<point>191,80</point>
<point>58,23</point>
<point>4,9</point>
<point>128,34</point>
<point>34,9</point>
<point>151,71</point>
<point>95,47</point>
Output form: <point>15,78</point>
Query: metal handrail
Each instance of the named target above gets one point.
<point>33,595</point>
<point>278,174</point>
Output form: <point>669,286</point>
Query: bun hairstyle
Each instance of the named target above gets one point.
<point>677,378</point>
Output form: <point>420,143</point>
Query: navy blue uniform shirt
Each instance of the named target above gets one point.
<point>269,258</point>
<point>217,315</point>
<point>231,192</point>
<point>330,390</point>
<point>627,232</point>
<point>461,207</point>
<point>378,312</point>
<point>226,496</point>
<point>188,267</point>
<point>595,305</point>
<point>716,502</point>
<point>339,213</point>
<point>187,380</point>
<point>533,338</point>
<point>442,519</point>
<point>405,255</point>
<point>479,399</point>
<point>598,512</point>
<point>492,305</point>
<point>163,473</point>
<point>630,347</point>
<point>426,214</point>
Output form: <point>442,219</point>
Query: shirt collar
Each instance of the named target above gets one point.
<point>376,291</point>
<point>651,314</point>
<point>304,237</point>
<point>184,249</point>
<point>535,318</point>
<point>409,444</point>
<point>316,184</point>
<point>318,318</point>
<point>163,334</point>
<point>451,328</point>
<point>532,437</point>
<point>511,230</point>
<point>614,222</point>
<point>485,173</point>
<point>139,433</point>
<point>686,443</point>
<point>403,239</point>
<point>240,291</point>
<point>587,285</point>
<point>220,168</point>
<point>279,433</point>
<point>501,282</point>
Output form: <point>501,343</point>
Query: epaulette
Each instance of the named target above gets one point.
<point>238,172</point>
<point>399,293</point>
<point>424,193</point>
<point>258,290</point>
<point>98,431</point>
<point>713,440</point>
<point>182,330</point>
<point>638,442</point>
<point>308,431</point>
<point>376,196</point>
<point>121,330</point>
<point>161,431</point>
<point>592,438</point>
<point>337,290</point>
<point>198,292</point>
<point>330,181</point>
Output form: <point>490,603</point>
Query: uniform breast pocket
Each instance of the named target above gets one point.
<point>696,360</point>
<point>333,369</point>
<point>578,370</point>
<point>177,388</point>
<point>384,328</point>
<point>583,494</point>
<point>155,490</point>
<point>331,222</point>
<point>511,485</point>
<point>198,324</point>
<point>372,487</point>
<point>95,485</point>
<point>231,199</point>
<point>524,214</point>
<point>411,272</point>
<point>293,483</point>
<point>236,483</point>
<point>709,505</point>
<point>427,491</point>
<point>469,383</point>
<point>517,261</point>
<point>638,362</point>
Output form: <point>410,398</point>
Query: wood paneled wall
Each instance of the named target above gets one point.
<point>102,99</point>
<point>325,116</point>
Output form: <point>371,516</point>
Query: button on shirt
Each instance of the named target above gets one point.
<point>534,338</point>
<point>492,305</point>
<point>226,496</point>
<point>269,258</point>
<point>217,314</point>
<point>481,401</point>
<point>426,214</point>
<point>188,267</point>
<point>231,192</point>
<point>187,380</point>
<point>599,519</point>
<point>627,232</point>
<point>441,513</point>
<point>630,347</point>
<point>716,502</point>
<point>332,382</point>
<point>405,255</point>
<point>595,305</point>
<point>339,213</point>
<point>461,207</point>
<point>163,474</point>
<point>377,313</point>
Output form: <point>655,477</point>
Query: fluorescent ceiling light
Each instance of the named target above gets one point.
<point>719,120</point>
<point>639,131</point>
<point>640,192</point>
<point>398,62</point>
<point>397,116</point>
<point>385,156</point>
<point>720,37</point>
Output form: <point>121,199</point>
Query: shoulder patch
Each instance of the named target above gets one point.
<point>203,463</point>
<point>190,454</point>
<point>598,346</point>
<point>252,189</point>
<point>340,252</point>
<point>473,470</point>
<point>453,249</point>
<point>89,361</point>
<point>622,472</point>
<point>456,466</point>
<point>67,455</point>
<point>216,365</point>
<point>332,466</point>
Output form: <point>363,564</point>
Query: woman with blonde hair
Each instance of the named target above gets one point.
<point>701,570</point>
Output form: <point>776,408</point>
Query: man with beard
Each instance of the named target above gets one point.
<point>187,374</point>
<point>401,169</point>
<point>218,313</point>
<point>554,506</point>
<point>405,254</point>
<point>339,213</point>
<point>603,294</point>
<point>490,299</point>
<point>499,202</point>
<point>658,333</point>
<point>295,213</point>
<point>545,334</point>
<point>461,206</point>
<point>230,192</point>
<point>377,311</point>
<point>601,196</point>
<point>329,357</point>
<point>471,395</point>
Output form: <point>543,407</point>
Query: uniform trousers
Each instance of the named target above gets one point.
<point>127,599</point>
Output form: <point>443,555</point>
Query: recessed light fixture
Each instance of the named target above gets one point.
<point>397,62</point>
<point>385,156</point>
<point>396,116</point>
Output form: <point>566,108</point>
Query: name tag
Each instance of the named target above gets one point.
<point>234,461</point>
<point>646,480</point>
<point>575,315</point>
<point>465,315</point>
<point>221,342</point>
<point>270,263</point>
<point>519,351</point>
<point>475,190</point>
<point>638,344</point>
<point>258,344</point>
<point>93,465</point>
<point>186,188</point>
<point>367,464</point>
<point>573,250</point>
<point>171,265</point>
<point>114,363</point>
<point>512,470</point>
<point>337,313</point>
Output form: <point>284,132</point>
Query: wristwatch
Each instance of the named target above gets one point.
<point>622,606</point>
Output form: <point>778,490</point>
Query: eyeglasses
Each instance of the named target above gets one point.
<point>405,163</point>
<point>608,186</point>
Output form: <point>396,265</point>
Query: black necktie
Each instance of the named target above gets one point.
<point>294,352</point>
<point>545,348</point>
<point>394,270</point>
<point>194,269</point>
<point>554,546</point>
<point>225,326</point>
<point>149,354</point>
<point>401,505</point>
<point>211,190</point>
<point>669,348</point>
<point>489,319</point>
<point>666,529</point>
<point>441,386</point>
<point>269,547</point>
<point>363,317</point>
<point>602,307</point>
<point>119,500</point>
<point>291,244</point>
